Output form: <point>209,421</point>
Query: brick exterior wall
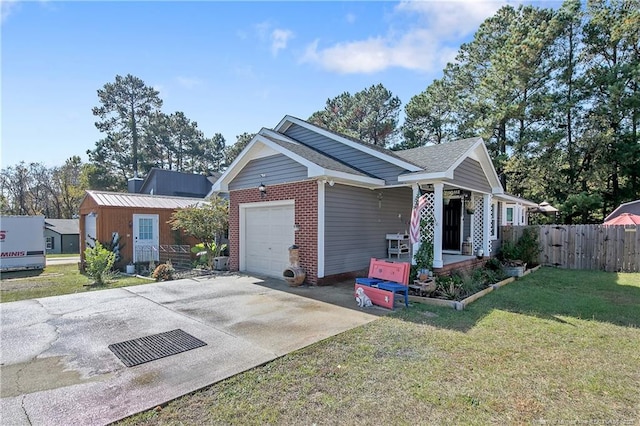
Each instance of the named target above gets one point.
<point>305,194</point>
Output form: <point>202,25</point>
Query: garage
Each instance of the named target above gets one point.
<point>266,233</point>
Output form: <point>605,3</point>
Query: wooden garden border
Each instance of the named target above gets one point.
<point>460,305</point>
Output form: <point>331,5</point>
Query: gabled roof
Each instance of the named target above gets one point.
<point>63,226</point>
<point>441,157</point>
<point>376,151</point>
<point>439,162</point>
<point>423,164</point>
<point>125,199</point>
<point>310,154</point>
<point>269,142</point>
<point>632,207</point>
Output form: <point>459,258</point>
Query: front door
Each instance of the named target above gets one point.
<point>451,226</point>
<point>145,238</point>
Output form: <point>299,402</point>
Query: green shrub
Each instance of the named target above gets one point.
<point>99,262</point>
<point>493,264</point>
<point>529,246</point>
<point>423,259</point>
<point>163,272</point>
<point>509,251</point>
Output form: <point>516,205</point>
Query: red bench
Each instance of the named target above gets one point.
<point>385,279</point>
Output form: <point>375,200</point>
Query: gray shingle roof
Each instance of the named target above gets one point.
<point>124,199</point>
<point>358,141</point>
<point>63,226</point>
<point>314,156</point>
<point>438,158</point>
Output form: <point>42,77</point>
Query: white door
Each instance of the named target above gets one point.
<point>268,234</point>
<point>145,238</point>
<point>89,230</point>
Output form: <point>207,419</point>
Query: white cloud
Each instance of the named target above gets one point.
<point>350,18</point>
<point>188,82</point>
<point>279,40</point>
<point>452,17</point>
<point>430,40</point>
<point>415,50</point>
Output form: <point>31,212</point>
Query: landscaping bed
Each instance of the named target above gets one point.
<point>462,288</point>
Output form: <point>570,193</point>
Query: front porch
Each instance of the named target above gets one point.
<point>458,263</point>
<point>452,263</point>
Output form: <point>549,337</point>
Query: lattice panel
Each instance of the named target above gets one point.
<point>492,226</point>
<point>478,223</point>
<point>427,219</point>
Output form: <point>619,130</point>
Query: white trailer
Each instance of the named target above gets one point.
<point>22,243</point>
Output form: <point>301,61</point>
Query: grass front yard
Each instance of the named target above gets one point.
<point>554,347</point>
<point>54,280</point>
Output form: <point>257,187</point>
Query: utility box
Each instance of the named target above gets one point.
<point>22,243</point>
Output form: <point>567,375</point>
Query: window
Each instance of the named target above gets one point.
<point>509,215</point>
<point>145,231</point>
<point>50,243</point>
<point>493,227</point>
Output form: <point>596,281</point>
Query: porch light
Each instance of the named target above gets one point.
<point>263,189</point>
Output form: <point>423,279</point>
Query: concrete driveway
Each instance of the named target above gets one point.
<point>62,260</point>
<point>56,367</point>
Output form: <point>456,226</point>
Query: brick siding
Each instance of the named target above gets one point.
<point>305,194</point>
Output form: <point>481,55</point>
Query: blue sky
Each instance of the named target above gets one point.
<point>233,67</point>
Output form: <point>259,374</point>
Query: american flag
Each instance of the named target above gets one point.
<point>414,233</point>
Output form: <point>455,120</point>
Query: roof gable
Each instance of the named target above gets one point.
<point>268,143</point>
<point>373,150</point>
<point>440,161</point>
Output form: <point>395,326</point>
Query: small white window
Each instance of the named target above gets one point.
<point>49,243</point>
<point>509,215</point>
<point>493,231</point>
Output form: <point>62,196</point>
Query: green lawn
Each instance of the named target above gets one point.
<point>53,281</point>
<point>554,347</point>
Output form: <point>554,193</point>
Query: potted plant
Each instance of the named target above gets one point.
<point>470,210</point>
<point>510,255</point>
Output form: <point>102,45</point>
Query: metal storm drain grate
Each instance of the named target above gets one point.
<point>150,348</point>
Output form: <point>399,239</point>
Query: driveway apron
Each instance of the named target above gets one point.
<point>56,368</point>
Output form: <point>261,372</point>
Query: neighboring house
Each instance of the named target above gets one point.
<point>62,236</point>
<point>173,183</point>
<point>139,219</point>
<point>336,198</point>
<point>632,207</point>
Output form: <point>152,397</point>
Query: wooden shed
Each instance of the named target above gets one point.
<point>139,219</point>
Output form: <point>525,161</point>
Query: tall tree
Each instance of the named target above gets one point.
<point>430,116</point>
<point>70,187</point>
<point>232,151</point>
<point>612,54</point>
<point>125,107</point>
<point>370,115</point>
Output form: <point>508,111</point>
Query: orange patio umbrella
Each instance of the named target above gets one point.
<point>624,219</point>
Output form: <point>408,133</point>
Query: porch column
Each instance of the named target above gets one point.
<point>416,246</point>
<point>486,223</point>
<point>438,189</point>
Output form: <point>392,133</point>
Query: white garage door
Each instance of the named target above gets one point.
<point>268,235</point>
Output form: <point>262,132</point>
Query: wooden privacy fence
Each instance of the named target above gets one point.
<point>609,248</point>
